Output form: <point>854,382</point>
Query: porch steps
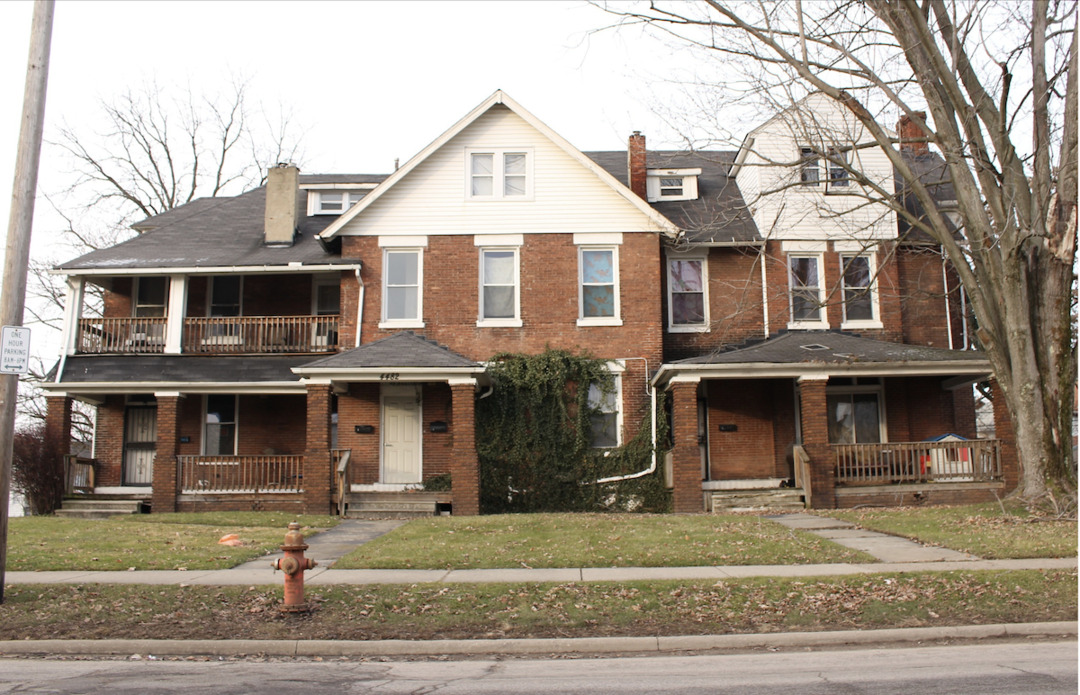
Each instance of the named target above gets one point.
<point>97,508</point>
<point>781,499</point>
<point>393,505</point>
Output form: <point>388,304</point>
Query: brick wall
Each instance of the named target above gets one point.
<point>748,452</point>
<point>168,441</point>
<point>686,457</point>
<point>464,466</point>
<point>815,436</point>
<point>109,441</point>
<point>317,455</point>
<point>922,296</point>
<point>117,299</point>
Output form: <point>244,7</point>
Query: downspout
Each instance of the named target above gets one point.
<point>945,284</point>
<point>652,409</point>
<point>359,306</point>
<point>764,291</point>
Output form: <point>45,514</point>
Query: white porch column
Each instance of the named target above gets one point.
<point>73,307</point>
<point>174,323</point>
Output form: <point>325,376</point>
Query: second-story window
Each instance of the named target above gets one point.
<point>687,300</point>
<point>225,295</point>
<point>838,173</point>
<point>499,297</point>
<point>151,297</point>
<point>805,289</point>
<point>599,285</point>
<point>335,202</point>
<point>499,175</point>
<point>857,273</point>
<point>809,166</point>
<point>402,287</point>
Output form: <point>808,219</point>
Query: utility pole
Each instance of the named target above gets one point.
<point>17,258</point>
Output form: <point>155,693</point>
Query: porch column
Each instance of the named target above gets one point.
<point>73,307</point>
<point>317,450</point>
<point>686,455</point>
<point>464,463</point>
<point>174,321</point>
<point>815,440</point>
<point>165,484</point>
<point>1003,432</point>
<point>58,434</point>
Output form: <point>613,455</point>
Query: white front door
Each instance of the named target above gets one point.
<point>400,439</point>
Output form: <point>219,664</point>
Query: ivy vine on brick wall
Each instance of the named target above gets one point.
<point>533,433</point>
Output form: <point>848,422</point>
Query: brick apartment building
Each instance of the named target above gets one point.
<point>320,342</point>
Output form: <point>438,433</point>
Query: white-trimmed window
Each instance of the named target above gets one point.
<point>838,168</point>
<point>671,184</point>
<point>688,299</point>
<point>500,300</point>
<point>858,282</point>
<point>151,297</point>
<point>605,422</point>
<point>809,166</point>
<point>855,411</point>
<point>806,291</point>
<point>219,425</point>
<point>333,202</point>
<point>226,301</point>
<point>403,293</point>
<point>598,286</point>
<point>499,174</point>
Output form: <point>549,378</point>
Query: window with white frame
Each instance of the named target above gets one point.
<point>499,175</point>
<point>334,202</point>
<point>860,296</point>
<point>151,296</point>
<point>598,273</point>
<point>838,167</point>
<point>219,428</point>
<point>671,184</point>
<point>604,426</point>
<point>499,295</point>
<point>225,302</point>
<point>688,304</point>
<point>809,166</point>
<point>805,290</point>
<point>402,287</point>
<point>855,412</point>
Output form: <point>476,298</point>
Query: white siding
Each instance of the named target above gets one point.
<point>567,197</point>
<point>784,209</point>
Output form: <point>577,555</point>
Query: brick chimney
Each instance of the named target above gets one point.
<point>907,130</point>
<point>635,163</point>
<point>282,183</point>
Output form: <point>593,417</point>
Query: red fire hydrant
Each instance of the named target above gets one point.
<point>293,565</point>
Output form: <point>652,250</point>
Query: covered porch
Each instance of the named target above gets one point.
<point>838,419</point>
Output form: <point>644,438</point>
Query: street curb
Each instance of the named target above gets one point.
<point>583,645</point>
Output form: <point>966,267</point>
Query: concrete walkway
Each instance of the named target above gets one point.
<point>883,546</point>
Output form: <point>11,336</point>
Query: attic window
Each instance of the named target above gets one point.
<point>671,184</point>
<point>332,202</point>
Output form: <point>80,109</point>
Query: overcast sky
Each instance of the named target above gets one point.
<point>371,82</point>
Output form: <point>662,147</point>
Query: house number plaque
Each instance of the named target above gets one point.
<point>390,376</point>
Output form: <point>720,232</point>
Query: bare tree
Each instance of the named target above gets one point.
<point>998,81</point>
<point>155,149</point>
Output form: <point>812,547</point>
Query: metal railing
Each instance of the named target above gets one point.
<point>260,334</point>
<point>130,335</point>
<point>918,462</point>
<point>201,474</point>
<point>78,474</point>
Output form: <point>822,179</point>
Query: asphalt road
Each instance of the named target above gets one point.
<point>1031,668</point>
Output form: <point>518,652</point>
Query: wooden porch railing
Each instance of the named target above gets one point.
<point>802,472</point>
<point>199,474</point>
<point>78,474</point>
<point>339,459</point>
<point>131,335</point>
<point>260,334</point>
<point>918,462</point>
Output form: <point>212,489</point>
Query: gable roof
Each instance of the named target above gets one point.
<point>404,351</point>
<point>498,98</point>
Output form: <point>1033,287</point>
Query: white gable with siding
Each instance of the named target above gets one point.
<point>568,192</point>
<point>784,208</point>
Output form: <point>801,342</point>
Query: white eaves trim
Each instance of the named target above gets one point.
<point>499,97</point>
<point>763,370</point>
<point>95,388</point>
<point>211,270</point>
<point>389,374</point>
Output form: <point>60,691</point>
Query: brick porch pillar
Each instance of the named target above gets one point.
<point>464,463</point>
<point>58,431</point>
<point>1003,432</point>
<point>815,439</point>
<point>317,450</point>
<point>166,487</point>
<point>686,455</point>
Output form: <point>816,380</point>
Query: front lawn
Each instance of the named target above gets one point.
<point>593,540</point>
<point>981,529</point>
<point>149,541</point>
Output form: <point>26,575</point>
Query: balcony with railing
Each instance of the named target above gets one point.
<point>975,460</point>
<point>232,335</point>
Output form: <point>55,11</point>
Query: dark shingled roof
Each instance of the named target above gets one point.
<point>933,172</point>
<point>719,215</point>
<point>178,369</point>
<point>831,347</point>
<point>401,350</point>
<point>221,232</point>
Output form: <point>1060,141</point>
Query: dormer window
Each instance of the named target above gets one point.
<point>671,184</point>
<point>333,202</point>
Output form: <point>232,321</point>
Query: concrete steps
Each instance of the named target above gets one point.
<point>99,508</point>
<point>394,505</point>
<point>779,499</point>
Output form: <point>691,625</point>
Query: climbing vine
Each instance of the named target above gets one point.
<point>533,441</point>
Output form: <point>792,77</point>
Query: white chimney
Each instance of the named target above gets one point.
<point>282,183</point>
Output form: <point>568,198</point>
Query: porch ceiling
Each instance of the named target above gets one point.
<point>827,353</point>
